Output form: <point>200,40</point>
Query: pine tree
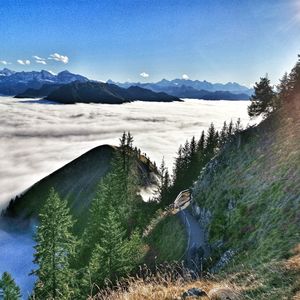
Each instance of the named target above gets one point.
<point>238,126</point>
<point>164,183</point>
<point>294,78</point>
<point>262,101</point>
<point>114,255</point>
<point>54,248</point>
<point>283,90</point>
<point>223,134</point>
<point>92,235</point>
<point>211,142</point>
<point>10,291</point>
<point>201,143</point>
<point>230,129</point>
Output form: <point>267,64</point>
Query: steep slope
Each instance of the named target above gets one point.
<point>248,198</point>
<point>77,181</point>
<point>98,92</point>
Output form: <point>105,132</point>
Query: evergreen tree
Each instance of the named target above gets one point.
<point>192,161</point>
<point>10,291</point>
<point>211,142</point>
<point>230,129</point>
<point>262,101</point>
<point>201,143</point>
<point>164,183</point>
<point>223,134</point>
<point>178,166</point>
<point>238,126</point>
<point>54,248</point>
<point>283,90</point>
<point>114,255</point>
<point>294,78</point>
<point>92,235</point>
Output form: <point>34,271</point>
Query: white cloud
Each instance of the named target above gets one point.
<point>185,77</point>
<point>41,62</point>
<point>58,57</point>
<point>38,57</point>
<point>23,62</point>
<point>144,75</point>
<point>4,62</point>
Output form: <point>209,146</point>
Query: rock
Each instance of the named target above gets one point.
<point>223,294</point>
<point>223,261</point>
<point>193,292</point>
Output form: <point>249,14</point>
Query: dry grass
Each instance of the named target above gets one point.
<point>272,281</point>
<point>169,282</point>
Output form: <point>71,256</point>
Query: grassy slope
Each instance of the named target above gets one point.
<point>259,177</point>
<point>167,241</point>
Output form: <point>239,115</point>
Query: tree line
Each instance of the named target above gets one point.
<point>191,159</point>
<point>268,99</point>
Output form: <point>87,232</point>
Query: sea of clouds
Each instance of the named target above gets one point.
<point>38,137</point>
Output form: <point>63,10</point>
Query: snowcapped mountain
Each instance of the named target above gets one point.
<point>12,83</point>
<point>6,72</point>
<point>232,87</point>
<point>194,89</point>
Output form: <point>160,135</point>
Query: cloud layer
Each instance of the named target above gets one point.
<point>36,139</point>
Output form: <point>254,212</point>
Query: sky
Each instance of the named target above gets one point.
<point>147,40</point>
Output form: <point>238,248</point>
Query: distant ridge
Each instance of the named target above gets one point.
<point>99,92</point>
<point>187,88</point>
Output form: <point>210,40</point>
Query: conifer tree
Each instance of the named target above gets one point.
<point>114,255</point>
<point>294,78</point>
<point>211,142</point>
<point>54,248</point>
<point>201,143</point>
<point>8,287</point>
<point>223,134</point>
<point>238,126</point>
<point>92,235</point>
<point>164,183</point>
<point>283,90</point>
<point>262,101</point>
<point>230,129</point>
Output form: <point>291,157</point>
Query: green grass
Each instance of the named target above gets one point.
<point>167,241</point>
<point>262,178</point>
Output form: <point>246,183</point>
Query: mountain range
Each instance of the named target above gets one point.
<point>187,88</point>
<point>13,83</point>
<point>39,84</point>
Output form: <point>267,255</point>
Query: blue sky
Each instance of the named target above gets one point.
<point>219,41</point>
